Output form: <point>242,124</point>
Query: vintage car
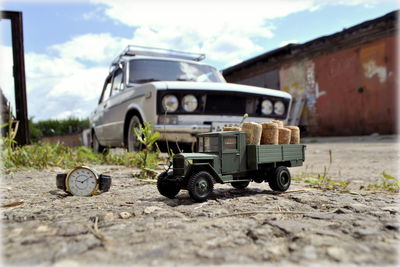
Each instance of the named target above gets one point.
<point>178,95</point>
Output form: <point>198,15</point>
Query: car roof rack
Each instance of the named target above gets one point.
<point>135,50</point>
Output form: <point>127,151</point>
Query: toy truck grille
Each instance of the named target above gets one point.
<point>179,166</point>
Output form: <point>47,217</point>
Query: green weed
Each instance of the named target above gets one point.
<point>145,135</point>
<point>388,183</point>
<point>323,182</point>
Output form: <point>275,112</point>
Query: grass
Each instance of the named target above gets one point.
<point>47,155</point>
<point>388,184</point>
<point>323,182</point>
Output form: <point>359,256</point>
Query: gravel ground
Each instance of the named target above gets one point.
<point>133,225</point>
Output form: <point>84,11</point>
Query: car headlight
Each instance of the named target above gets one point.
<point>279,108</point>
<point>170,103</point>
<point>266,107</point>
<point>189,103</point>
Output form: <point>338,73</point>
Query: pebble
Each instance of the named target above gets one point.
<point>125,215</point>
<point>42,228</point>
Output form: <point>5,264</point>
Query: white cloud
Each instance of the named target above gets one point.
<point>214,28</point>
<point>6,73</point>
<point>97,48</point>
<point>56,86</point>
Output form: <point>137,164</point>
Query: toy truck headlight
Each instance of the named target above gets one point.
<point>189,103</point>
<point>279,108</point>
<point>170,103</point>
<point>266,107</point>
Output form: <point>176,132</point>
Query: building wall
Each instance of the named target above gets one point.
<point>357,90</point>
<point>351,91</point>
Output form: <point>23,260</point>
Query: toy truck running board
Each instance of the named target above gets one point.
<point>292,155</point>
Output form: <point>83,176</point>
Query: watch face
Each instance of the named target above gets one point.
<point>82,182</point>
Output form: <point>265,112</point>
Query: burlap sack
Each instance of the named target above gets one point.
<point>295,134</point>
<point>270,133</point>
<point>280,123</point>
<point>231,128</point>
<point>253,132</point>
<point>284,136</point>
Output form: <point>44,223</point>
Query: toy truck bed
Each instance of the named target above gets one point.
<point>292,155</point>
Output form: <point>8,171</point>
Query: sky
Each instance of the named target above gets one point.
<point>70,44</point>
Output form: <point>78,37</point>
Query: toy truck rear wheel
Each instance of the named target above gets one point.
<point>240,185</point>
<point>280,180</point>
<point>166,186</point>
<point>200,186</point>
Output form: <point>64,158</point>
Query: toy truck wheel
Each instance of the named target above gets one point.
<point>281,180</point>
<point>240,185</point>
<point>166,187</point>
<point>200,186</point>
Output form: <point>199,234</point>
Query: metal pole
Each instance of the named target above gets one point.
<point>21,105</point>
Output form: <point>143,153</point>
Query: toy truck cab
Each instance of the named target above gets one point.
<point>224,157</point>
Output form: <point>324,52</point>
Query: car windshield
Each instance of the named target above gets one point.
<point>208,144</point>
<point>149,70</point>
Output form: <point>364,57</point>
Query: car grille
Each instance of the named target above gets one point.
<point>212,102</point>
<point>225,104</point>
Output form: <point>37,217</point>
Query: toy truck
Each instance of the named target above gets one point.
<point>224,157</point>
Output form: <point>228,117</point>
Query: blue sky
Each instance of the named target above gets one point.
<point>69,45</point>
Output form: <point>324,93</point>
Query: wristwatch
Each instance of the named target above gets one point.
<point>83,181</point>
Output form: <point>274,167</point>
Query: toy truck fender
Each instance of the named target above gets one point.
<point>198,167</point>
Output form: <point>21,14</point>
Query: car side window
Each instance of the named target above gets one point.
<point>230,142</point>
<point>106,91</point>
<point>117,84</point>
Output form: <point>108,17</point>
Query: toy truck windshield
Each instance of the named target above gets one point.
<point>208,143</point>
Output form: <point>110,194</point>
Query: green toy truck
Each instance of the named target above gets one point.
<point>224,157</point>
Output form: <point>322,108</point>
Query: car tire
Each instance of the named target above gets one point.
<point>97,147</point>
<point>133,145</point>
<point>166,187</point>
<point>281,180</point>
<point>240,185</point>
<point>200,186</point>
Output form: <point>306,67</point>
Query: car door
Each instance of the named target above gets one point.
<point>113,114</point>
<point>98,114</point>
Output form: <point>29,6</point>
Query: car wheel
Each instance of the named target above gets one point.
<point>166,187</point>
<point>281,180</point>
<point>132,143</point>
<point>200,186</point>
<point>97,147</point>
<point>240,185</point>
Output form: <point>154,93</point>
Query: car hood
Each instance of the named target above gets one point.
<point>228,87</point>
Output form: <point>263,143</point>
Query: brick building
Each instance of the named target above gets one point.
<point>342,84</point>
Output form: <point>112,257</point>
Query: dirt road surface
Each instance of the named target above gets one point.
<point>133,225</point>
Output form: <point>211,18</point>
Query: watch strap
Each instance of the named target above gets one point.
<point>104,182</point>
<point>60,181</point>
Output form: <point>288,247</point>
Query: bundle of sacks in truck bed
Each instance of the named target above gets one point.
<point>268,133</point>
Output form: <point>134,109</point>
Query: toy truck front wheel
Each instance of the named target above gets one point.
<point>166,186</point>
<point>200,186</point>
<point>280,179</point>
